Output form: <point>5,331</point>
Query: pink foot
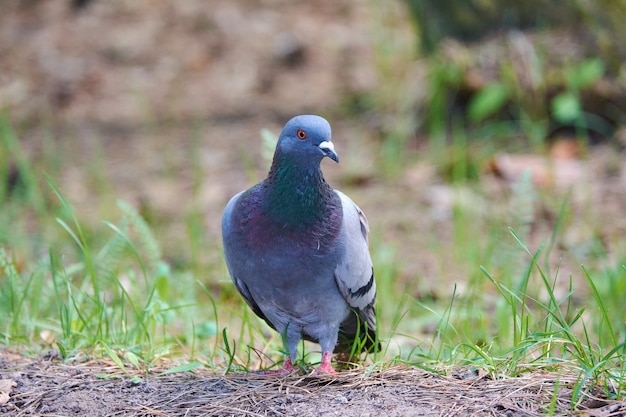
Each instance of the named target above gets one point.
<point>325,367</point>
<point>287,369</point>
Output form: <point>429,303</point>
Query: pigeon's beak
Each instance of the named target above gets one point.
<point>329,150</point>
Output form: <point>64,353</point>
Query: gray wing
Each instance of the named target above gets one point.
<point>354,274</point>
<point>231,257</point>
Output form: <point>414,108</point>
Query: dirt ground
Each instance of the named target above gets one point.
<point>46,387</point>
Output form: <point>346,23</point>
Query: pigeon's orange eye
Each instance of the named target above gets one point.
<point>301,134</point>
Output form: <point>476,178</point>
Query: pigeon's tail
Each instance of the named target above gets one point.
<point>358,334</point>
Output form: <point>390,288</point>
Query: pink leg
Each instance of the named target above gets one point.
<point>288,366</point>
<point>325,367</point>
<point>287,369</point>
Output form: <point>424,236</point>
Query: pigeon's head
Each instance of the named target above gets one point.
<point>307,137</point>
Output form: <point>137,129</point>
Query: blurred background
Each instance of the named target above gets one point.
<point>454,122</point>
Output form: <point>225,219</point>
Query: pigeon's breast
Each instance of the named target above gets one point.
<point>267,247</point>
<point>262,230</point>
<point>263,236</point>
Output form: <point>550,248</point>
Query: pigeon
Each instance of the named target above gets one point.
<point>297,250</point>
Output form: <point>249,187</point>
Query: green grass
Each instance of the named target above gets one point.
<point>109,290</point>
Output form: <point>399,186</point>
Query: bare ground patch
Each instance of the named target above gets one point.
<point>40,387</point>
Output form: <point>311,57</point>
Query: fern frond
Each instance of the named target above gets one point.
<point>111,255</point>
<point>151,246</point>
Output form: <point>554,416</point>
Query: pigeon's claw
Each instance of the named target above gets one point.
<point>287,369</point>
<point>325,367</point>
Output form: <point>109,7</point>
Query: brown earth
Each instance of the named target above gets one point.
<point>44,387</point>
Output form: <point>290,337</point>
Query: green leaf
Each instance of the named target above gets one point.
<point>268,146</point>
<point>487,101</point>
<point>114,357</point>
<point>585,74</point>
<point>134,359</point>
<point>566,107</point>
<point>108,376</point>
<point>186,367</point>
<point>162,286</point>
<point>206,329</point>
